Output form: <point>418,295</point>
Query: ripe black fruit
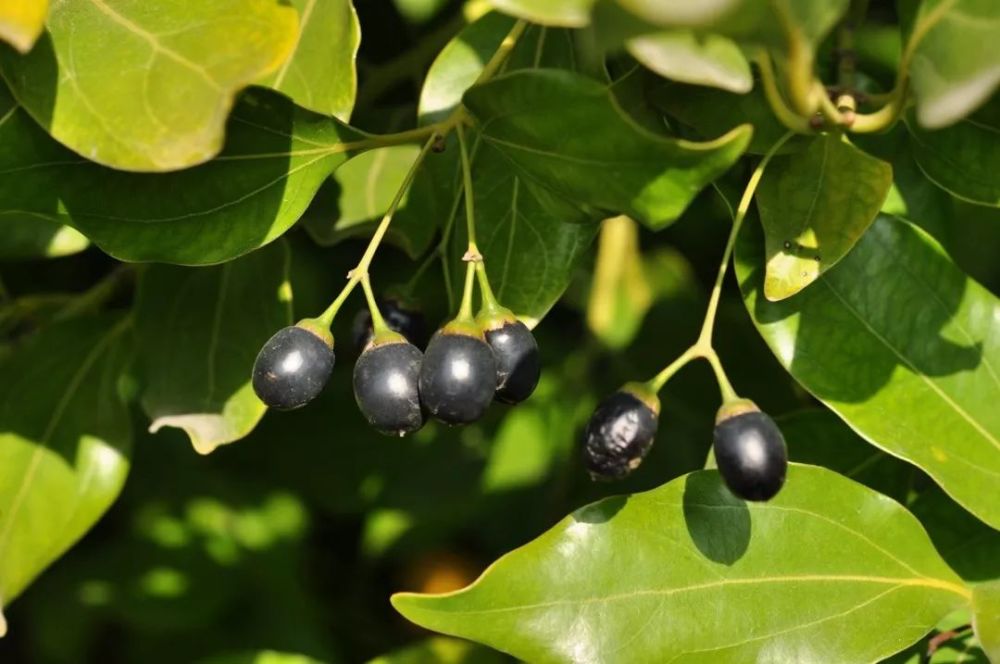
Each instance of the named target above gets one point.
<point>458,376</point>
<point>386,378</point>
<point>516,353</point>
<point>620,433</point>
<point>293,366</point>
<point>403,318</point>
<point>750,451</point>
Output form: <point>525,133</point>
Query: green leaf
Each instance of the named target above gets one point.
<point>683,55</point>
<point>364,188</point>
<point>199,330</point>
<point>818,437</point>
<point>65,443</point>
<point>152,90</point>
<point>986,617</point>
<point>963,159</point>
<point>814,206</point>
<point>565,132</point>
<point>441,650</point>
<point>21,21</point>
<point>319,74</point>
<point>713,112</point>
<point>921,386</point>
<point>25,236</point>
<point>564,13</point>
<point>632,578</point>
<point>969,546</point>
<point>262,657</point>
<point>275,159</point>
<point>955,65</point>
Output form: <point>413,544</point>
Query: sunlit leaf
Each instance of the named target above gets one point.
<point>21,21</point>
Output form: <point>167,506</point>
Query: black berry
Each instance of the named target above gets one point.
<point>620,433</point>
<point>518,365</point>
<point>458,376</point>
<point>293,366</point>
<point>403,318</point>
<point>750,452</point>
<point>386,378</point>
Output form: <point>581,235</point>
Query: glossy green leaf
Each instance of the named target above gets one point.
<point>275,159</point>
<point>21,21</point>
<point>814,205</point>
<point>319,74</point>
<point>963,159</point>
<point>143,87</point>
<point>683,55</point>
<point>199,330</point>
<point>363,189</point>
<point>816,436</point>
<point>986,617</point>
<point>955,65</point>
<point>565,132</point>
<point>920,385</point>
<point>65,443</point>
<point>969,546</point>
<point>36,237</point>
<point>632,578</point>
<point>262,657</point>
<point>564,13</point>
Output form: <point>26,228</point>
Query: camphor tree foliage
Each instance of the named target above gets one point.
<point>536,204</point>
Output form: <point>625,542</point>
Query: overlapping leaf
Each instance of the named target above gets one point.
<point>65,442</point>
<point>21,21</point>
<point>319,74</point>
<point>199,331</point>
<point>36,237</point>
<point>565,132</point>
<point>633,578</point>
<point>963,159</point>
<point>904,347</point>
<point>814,206</point>
<point>275,159</point>
<point>683,55</point>
<point>147,87</point>
<point>955,65</point>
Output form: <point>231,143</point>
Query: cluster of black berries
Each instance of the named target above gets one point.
<point>467,364</point>
<point>749,449</point>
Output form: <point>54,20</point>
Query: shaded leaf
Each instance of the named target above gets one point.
<point>683,55</point>
<point>147,88</point>
<point>65,443</point>
<point>36,237</point>
<point>275,159</point>
<point>969,546</point>
<point>963,159</point>
<point>199,330</point>
<point>568,597</point>
<point>441,650</point>
<point>565,132</point>
<point>955,64</point>
<point>320,74</point>
<point>564,13</point>
<point>920,386</point>
<point>814,206</point>
<point>21,21</point>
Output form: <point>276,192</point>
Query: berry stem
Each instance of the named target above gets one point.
<point>702,348</point>
<point>788,117</point>
<point>465,311</point>
<point>378,323</point>
<point>470,204</point>
<point>490,303</point>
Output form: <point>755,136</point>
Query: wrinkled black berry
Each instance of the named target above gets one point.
<point>458,377</point>
<point>518,365</point>
<point>292,368</point>
<point>386,378</point>
<point>619,435</point>
<point>751,455</point>
<point>401,318</point>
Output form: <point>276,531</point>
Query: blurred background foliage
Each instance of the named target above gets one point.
<point>292,540</point>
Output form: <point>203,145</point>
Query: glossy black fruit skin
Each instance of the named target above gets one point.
<point>619,435</point>
<point>751,455</point>
<point>386,379</point>
<point>518,364</point>
<point>458,378</point>
<point>406,320</point>
<point>292,368</point>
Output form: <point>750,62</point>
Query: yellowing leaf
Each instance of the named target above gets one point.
<point>21,21</point>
